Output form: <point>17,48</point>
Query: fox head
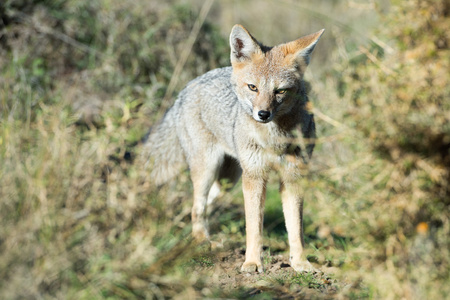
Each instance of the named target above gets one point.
<point>268,80</point>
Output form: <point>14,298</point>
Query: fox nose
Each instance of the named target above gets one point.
<point>263,114</point>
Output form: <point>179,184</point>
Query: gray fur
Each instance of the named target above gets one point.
<point>208,106</point>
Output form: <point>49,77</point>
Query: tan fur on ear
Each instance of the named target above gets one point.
<point>302,47</point>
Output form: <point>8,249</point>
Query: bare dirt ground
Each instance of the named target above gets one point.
<point>278,281</point>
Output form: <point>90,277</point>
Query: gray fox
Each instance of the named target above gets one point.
<point>240,120</point>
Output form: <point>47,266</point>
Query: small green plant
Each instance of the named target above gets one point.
<point>311,280</point>
<point>204,261</point>
<point>267,258</point>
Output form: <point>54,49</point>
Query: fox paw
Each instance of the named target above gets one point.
<point>303,266</point>
<point>200,233</point>
<point>252,267</point>
<point>206,243</point>
<point>216,245</point>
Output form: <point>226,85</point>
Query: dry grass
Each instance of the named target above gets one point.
<point>81,83</point>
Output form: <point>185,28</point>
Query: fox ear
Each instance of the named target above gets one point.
<point>242,44</point>
<point>303,47</point>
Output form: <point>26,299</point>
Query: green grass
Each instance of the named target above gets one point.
<point>81,84</point>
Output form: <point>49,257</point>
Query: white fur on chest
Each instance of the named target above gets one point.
<point>266,146</point>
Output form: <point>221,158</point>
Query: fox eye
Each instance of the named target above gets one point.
<point>252,87</point>
<point>280,92</point>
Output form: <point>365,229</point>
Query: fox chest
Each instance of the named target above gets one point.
<point>260,153</point>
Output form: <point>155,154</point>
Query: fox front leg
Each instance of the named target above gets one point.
<point>254,197</point>
<point>293,215</point>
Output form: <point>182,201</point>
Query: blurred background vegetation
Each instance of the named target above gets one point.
<point>81,82</point>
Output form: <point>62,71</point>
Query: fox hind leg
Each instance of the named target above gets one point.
<point>204,179</point>
<point>229,174</point>
<point>209,178</point>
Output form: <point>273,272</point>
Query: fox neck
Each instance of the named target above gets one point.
<point>269,136</point>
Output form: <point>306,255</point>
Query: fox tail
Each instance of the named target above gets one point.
<point>162,152</point>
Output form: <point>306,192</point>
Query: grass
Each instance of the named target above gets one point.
<point>81,84</point>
